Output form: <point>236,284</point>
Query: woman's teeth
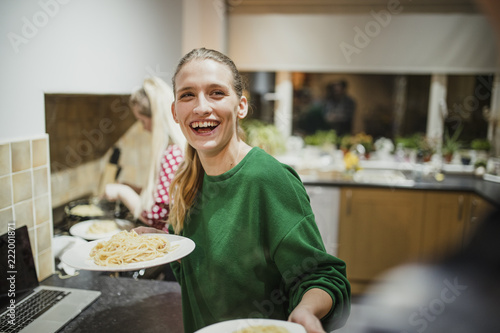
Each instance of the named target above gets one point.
<point>204,126</point>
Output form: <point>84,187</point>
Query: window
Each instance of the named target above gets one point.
<point>468,106</point>
<point>385,105</point>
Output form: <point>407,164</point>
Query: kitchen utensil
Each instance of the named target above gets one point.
<point>111,171</point>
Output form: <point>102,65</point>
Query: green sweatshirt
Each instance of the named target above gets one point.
<point>258,249</point>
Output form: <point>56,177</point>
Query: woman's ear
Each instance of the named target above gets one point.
<point>243,107</point>
<point>174,114</point>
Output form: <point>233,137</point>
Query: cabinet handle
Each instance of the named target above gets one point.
<point>473,211</point>
<point>460,207</point>
<point>348,203</point>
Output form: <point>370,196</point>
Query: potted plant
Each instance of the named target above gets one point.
<point>465,157</point>
<point>409,142</point>
<point>264,135</point>
<point>346,142</point>
<point>366,141</point>
<point>320,138</point>
<point>450,144</point>
<point>425,147</point>
<point>480,144</point>
<point>481,148</point>
<point>406,147</point>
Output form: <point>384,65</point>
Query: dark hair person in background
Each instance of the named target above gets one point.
<point>335,111</point>
<point>258,250</point>
<point>339,108</point>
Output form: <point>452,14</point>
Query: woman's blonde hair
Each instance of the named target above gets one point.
<point>189,177</point>
<point>154,100</point>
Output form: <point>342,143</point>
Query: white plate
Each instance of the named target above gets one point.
<point>231,326</point>
<point>81,229</point>
<point>61,244</point>
<point>79,257</point>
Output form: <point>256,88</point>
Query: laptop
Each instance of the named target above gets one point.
<point>19,289</point>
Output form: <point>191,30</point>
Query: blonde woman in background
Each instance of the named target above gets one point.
<point>151,106</point>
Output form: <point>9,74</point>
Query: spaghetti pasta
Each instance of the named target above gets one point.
<point>103,227</point>
<point>128,247</point>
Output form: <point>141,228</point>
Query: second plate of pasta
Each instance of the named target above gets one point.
<point>127,251</point>
<point>254,325</point>
<point>99,229</point>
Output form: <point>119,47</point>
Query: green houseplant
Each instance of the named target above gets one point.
<point>451,144</point>
<point>321,138</point>
<point>264,135</point>
<point>480,144</point>
<point>346,142</point>
<point>424,146</point>
<point>481,149</point>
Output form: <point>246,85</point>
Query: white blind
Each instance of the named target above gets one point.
<point>378,42</point>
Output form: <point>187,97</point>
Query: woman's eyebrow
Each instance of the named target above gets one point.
<point>210,86</point>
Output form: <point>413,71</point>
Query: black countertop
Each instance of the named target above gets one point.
<point>125,305</point>
<point>488,190</point>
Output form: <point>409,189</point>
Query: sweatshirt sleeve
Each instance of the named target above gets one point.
<point>304,264</point>
<point>297,249</point>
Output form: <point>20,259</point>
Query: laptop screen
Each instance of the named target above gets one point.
<point>18,271</point>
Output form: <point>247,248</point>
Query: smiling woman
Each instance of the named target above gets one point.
<point>240,205</point>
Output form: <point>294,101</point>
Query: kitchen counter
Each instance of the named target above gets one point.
<point>125,305</point>
<point>488,190</point>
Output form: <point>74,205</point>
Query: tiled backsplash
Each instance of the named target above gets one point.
<point>28,192</point>
<point>25,196</point>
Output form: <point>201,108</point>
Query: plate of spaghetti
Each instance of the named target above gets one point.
<point>128,251</point>
<point>254,325</point>
<point>99,229</point>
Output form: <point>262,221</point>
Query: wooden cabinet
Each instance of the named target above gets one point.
<point>450,220</point>
<point>381,228</point>
<point>445,219</point>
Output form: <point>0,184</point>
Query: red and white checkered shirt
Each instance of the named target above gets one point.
<point>158,214</point>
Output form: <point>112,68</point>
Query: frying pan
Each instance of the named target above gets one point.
<point>110,210</point>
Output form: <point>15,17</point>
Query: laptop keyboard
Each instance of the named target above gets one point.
<point>30,309</point>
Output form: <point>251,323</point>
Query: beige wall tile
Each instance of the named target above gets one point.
<point>24,213</point>
<point>5,159</point>
<point>43,237</point>
<point>21,156</point>
<point>21,182</point>
<point>40,148</point>
<point>5,191</point>
<point>40,181</point>
<point>45,264</point>
<point>6,217</point>
<point>42,209</point>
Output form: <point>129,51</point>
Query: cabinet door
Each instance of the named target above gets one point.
<point>379,229</point>
<point>479,209</point>
<point>444,223</point>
